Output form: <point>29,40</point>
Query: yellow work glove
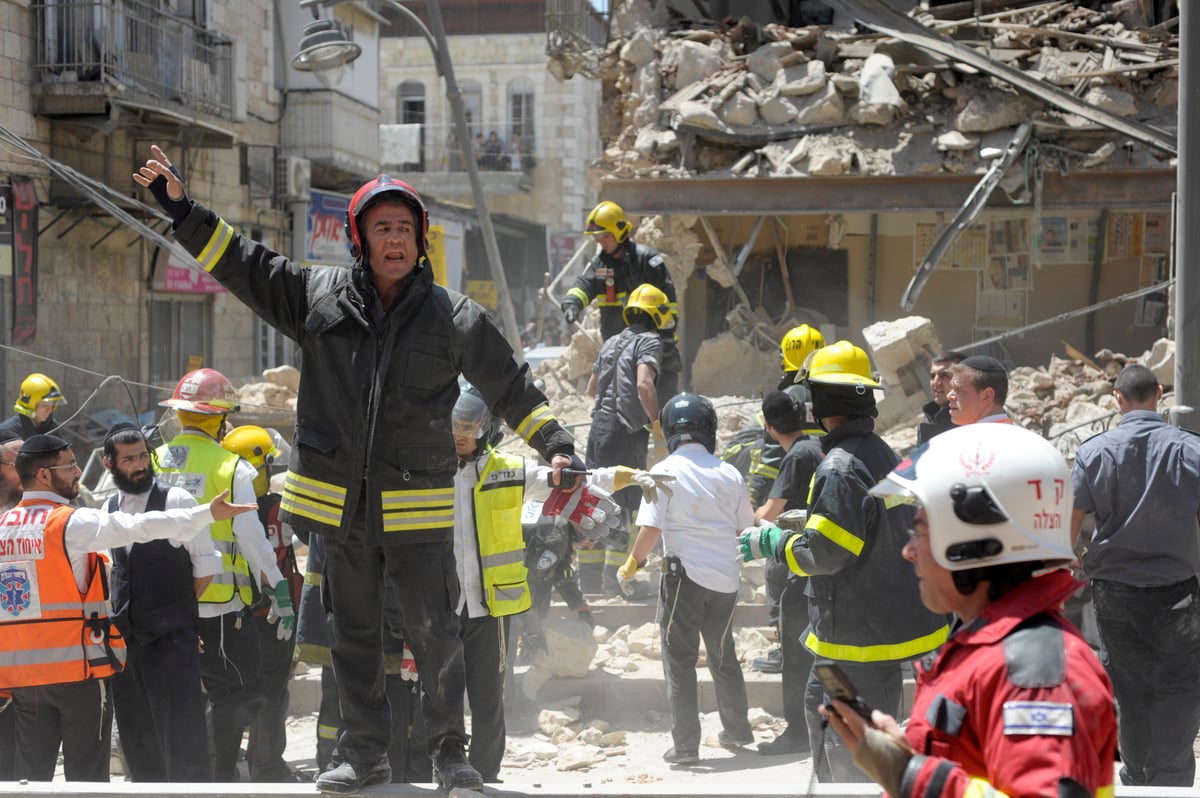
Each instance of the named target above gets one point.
<point>650,484</point>
<point>628,570</point>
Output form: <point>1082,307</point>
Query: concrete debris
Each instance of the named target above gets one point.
<point>728,364</point>
<point>735,84</point>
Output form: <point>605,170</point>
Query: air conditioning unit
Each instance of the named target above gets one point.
<point>294,178</point>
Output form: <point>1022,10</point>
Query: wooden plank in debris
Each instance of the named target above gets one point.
<point>880,17</point>
<point>970,8</point>
<point>698,88</point>
<point>1059,33</point>
<point>751,135</point>
<point>1101,73</point>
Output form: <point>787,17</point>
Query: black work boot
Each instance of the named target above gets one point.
<point>352,777</point>
<point>452,771</point>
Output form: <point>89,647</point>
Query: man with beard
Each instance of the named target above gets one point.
<point>57,644</point>
<point>157,698</point>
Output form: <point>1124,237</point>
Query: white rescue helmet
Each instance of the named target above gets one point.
<point>994,494</point>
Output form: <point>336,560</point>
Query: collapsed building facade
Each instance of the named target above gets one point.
<point>809,174</point>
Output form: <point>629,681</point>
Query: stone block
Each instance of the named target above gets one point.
<point>902,351</point>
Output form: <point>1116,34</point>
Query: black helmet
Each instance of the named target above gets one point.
<point>472,409</point>
<point>689,417</point>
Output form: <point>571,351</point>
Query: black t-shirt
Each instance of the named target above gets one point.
<point>795,473</point>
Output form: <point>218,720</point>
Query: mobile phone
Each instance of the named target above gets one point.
<point>838,685</point>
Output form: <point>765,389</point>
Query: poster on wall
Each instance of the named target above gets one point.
<point>1151,310</point>
<point>1053,239</point>
<point>1157,237</point>
<point>1123,238</point>
<point>969,251</point>
<point>1006,272</point>
<point>1000,310</point>
<point>1008,236</point>
<point>1083,235</point>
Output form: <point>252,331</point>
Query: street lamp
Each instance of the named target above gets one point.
<point>325,51</point>
<point>329,54</point>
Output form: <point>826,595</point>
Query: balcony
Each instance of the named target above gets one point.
<point>97,61</point>
<point>429,157</point>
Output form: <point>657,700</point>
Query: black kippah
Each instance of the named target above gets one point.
<point>44,444</point>
<point>121,426</point>
<point>985,363</point>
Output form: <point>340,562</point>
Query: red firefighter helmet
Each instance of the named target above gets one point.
<point>370,193</point>
<point>204,391</point>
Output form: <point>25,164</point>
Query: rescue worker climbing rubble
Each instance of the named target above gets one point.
<point>624,417</point>
<point>621,265</point>
<point>373,459</point>
<point>1015,703</point>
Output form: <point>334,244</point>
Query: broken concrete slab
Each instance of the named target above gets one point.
<point>902,351</point>
<point>764,61</point>
<point>696,62</point>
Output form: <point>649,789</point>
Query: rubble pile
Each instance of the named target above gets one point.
<point>277,390</point>
<point>744,99</point>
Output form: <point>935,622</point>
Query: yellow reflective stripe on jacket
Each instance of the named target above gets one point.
<point>313,579</point>
<point>538,418</point>
<point>978,788</point>
<point>216,246</point>
<point>761,469</point>
<point>838,534</point>
<point>886,652</point>
<point>498,496</point>
<point>313,499</point>
<point>618,301</point>
<point>792,564</point>
<point>581,295</point>
<point>418,509</point>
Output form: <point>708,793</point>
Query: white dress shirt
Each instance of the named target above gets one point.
<point>93,530</point>
<point>702,517</point>
<point>206,560</point>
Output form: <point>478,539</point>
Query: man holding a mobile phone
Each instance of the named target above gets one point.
<point>1015,701</point>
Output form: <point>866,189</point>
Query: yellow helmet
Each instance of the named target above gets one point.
<point>841,363</point>
<point>797,344</point>
<point>607,217</point>
<point>34,389</point>
<point>256,446</point>
<point>651,300</point>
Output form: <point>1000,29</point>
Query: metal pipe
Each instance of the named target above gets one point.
<point>1187,278</point>
<point>503,298</point>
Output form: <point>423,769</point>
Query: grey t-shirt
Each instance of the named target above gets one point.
<point>616,370</point>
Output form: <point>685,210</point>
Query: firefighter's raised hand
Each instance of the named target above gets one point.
<point>165,183</point>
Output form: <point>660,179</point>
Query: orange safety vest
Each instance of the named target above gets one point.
<point>50,632</point>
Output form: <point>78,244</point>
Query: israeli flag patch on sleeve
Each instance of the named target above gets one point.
<point>1039,717</point>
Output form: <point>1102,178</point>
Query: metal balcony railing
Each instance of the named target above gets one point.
<point>576,33</point>
<point>433,148</point>
<point>134,45</point>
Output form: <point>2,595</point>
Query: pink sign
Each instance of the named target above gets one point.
<point>182,279</point>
